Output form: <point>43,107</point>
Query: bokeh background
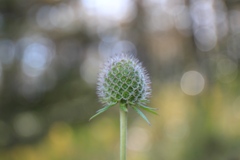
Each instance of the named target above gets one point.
<point>51,52</point>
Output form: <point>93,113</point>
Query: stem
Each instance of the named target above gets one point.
<point>123,133</point>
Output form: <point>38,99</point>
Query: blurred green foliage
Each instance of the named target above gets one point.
<point>50,53</point>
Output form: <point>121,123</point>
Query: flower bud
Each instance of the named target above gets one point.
<point>123,80</point>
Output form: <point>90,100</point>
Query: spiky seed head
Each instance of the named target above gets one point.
<point>123,80</point>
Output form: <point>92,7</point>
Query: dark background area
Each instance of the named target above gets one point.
<point>51,52</point>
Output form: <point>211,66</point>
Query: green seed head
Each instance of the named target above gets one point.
<point>123,80</point>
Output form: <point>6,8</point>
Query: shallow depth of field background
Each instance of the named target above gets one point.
<point>51,52</point>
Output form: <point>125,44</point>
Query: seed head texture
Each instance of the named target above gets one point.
<point>123,80</point>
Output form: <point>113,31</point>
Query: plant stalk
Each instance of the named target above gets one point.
<point>123,133</point>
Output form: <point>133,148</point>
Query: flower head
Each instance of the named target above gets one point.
<point>123,80</point>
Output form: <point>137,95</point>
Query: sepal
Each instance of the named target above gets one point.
<point>148,109</point>
<point>102,110</point>
<point>141,114</point>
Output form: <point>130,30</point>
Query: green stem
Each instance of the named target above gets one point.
<point>123,133</point>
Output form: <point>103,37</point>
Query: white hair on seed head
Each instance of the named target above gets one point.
<point>123,79</point>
